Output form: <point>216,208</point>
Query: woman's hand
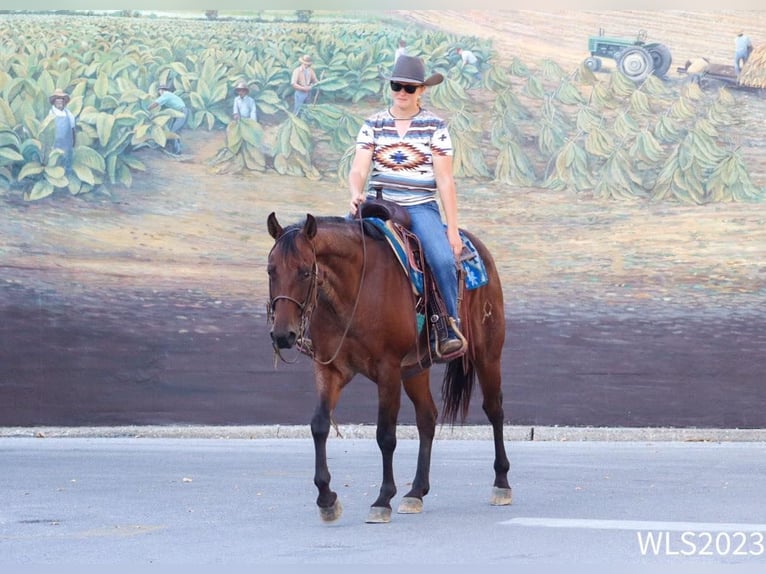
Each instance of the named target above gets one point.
<point>455,242</point>
<point>357,198</point>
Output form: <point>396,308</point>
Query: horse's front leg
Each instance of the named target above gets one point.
<point>389,398</point>
<point>330,508</point>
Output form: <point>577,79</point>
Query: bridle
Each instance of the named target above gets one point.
<point>309,302</point>
<point>306,306</point>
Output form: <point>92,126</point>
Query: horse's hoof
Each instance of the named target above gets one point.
<point>332,513</point>
<point>410,505</point>
<point>501,496</point>
<point>379,515</point>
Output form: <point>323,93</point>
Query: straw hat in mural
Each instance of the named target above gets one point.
<point>242,85</point>
<point>59,93</point>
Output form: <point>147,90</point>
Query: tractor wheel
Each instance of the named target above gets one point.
<point>635,62</point>
<point>593,63</point>
<point>661,57</point>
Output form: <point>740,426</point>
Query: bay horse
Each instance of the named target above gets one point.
<point>332,280</point>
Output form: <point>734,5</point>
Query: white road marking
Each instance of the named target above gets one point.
<point>599,524</point>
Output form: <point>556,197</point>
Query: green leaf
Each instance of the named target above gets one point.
<point>197,101</point>
<point>30,169</point>
<point>123,176</point>
<point>233,137</point>
<point>7,119</point>
<point>89,158</point>
<point>101,85</point>
<point>8,155</point>
<point>32,150</point>
<point>535,87</point>
<point>158,135</point>
<point>133,162</point>
<point>84,173</point>
<point>40,190</point>
<point>252,132</point>
<point>104,125</point>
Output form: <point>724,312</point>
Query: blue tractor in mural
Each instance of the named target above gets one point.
<point>635,57</point>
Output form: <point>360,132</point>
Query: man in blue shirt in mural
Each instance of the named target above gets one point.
<point>168,99</point>
<point>742,48</point>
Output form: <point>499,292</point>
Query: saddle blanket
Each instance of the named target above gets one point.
<point>473,265</point>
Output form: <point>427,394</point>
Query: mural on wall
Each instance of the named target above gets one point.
<point>612,162</point>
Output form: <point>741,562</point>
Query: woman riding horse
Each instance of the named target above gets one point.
<point>409,151</point>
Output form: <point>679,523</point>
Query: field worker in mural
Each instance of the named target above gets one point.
<point>170,100</point>
<point>244,105</point>
<point>401,50</point>
<point>742,48</point>
<point>407,151</point>
<point>697,68</point>
<point>467,56</point>
<point>302,81</point>
<point>65,126</point>
<point>469,59</point>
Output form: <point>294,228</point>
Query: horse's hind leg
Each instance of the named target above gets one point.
<point>490,381</point>
<point>389,398</point>
<point>419,392</point>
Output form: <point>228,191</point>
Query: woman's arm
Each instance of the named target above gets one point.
<point>445,183</point>
<point>357,176</point>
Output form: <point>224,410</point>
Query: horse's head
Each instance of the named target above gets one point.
<point>292,268</point>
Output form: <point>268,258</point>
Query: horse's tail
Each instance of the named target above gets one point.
<point>457,388</point>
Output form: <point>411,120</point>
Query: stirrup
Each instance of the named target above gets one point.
<point>453,344</point>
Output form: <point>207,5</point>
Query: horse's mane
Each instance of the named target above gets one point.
<point>339,224</point>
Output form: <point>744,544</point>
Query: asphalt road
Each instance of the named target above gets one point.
<point>143,501</point>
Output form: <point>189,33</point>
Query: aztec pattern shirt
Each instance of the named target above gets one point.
<point>403,166</point>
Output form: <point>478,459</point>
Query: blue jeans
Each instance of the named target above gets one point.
<point>175,126</point>
<point>427,225</point>
<point>300,99</point>
<point>739,57</point>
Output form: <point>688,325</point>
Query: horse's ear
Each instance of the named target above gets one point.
<point>310,227</point>
<point>275,230</point>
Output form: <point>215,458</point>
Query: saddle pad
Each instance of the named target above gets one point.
<point>473,265</point>
<point>397,244</point>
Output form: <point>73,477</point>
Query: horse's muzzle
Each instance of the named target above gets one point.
<point>283,340</point>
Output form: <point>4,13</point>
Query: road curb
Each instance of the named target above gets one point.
<point>466,432</point>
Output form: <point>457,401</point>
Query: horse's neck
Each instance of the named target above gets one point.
<point>346,264</point>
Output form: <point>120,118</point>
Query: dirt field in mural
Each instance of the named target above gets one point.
<point>148,306</point>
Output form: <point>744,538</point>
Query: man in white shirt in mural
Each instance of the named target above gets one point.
<point>469,59</point>
<point>64,138</point>
<point>244,105</point>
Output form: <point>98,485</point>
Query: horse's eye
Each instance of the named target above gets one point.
<point>306,274</point>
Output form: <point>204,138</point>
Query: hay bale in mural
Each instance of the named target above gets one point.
<point>754,71</point>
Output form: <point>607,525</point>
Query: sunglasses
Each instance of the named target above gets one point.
<point>397,87</point>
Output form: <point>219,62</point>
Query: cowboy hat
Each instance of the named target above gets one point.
<point>59,93</point>
<point>412,70</point>
<point>306,59</point>
<point>241,85</point>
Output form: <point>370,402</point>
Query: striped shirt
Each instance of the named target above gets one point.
<point>403,166</point>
